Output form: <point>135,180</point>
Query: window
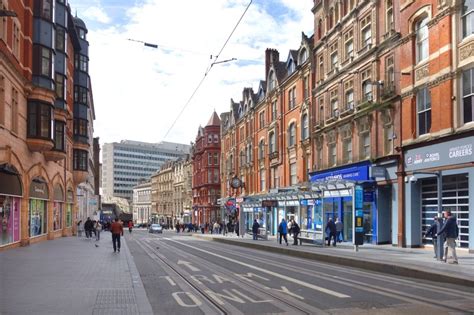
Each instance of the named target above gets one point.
<point>291,66</point>
<point>293,177</point>
<point>262,180</point>
<point>80,95</point>
<point>82,34</point>
<point>390,74</point>
<point>321,67</point>
<point>347,150</point>
<point>43,61</point>
<point>274,110</point>
<point>349,99</point>
<point>80,127</point>
<point>272,81</point>
<point>3,23</point>
<point>81,63</point>
<point>349,44</point>
<point>292,98</point>
<point>60,86</point>
<point>366,31</point>
<point>388,137</point>
<point>216,158</point>
<point>321,111</point>
<point>44,8</point>
<point>2,99</point>
<point>14,112</point>
<point>261,119</point>
<point>209,158</point>
<point>59,136</point>
<point>333,56</point>
<point>422,40</point>
<point>39,120</point>
<point>305,128</point>
<point>303,56</point>
<point>216,138</point>
<point>389,22</point>
<point>261,150</point>
<point>16,40</point>
<point>60,39</point>
<point>332,154</point>
<point>331,19</point>
<point>423,105</point>
<point>367,90</point>
<point>292,135</point>
<point>272,145</point>
<point>467,18</point>
<point>467,109</point>
<point>334,104</point>
<point>306,87</point>
<point>80,160</point>
<point>365,145</point>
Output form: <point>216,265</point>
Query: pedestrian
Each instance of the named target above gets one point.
<point>203,227</point>
<point>255,228</point>
<point>117,230</point>
<point>451,233</point>
<point>216,227</point>
<point>130,226</point>
<point>237,228</point>
<point>283,230</point>
<point>339,228</point>
<point>331,227</point>
<point>80,228</point>
<point>432,232</point>
<point>88,226</point>
<point>296,230</point>
<point>98,229</point>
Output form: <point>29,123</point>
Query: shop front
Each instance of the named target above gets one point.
<point>10,201</point>
<point>452,163</point>
<point>337,200</point>
<point>38,203</point>
<point>58,208</point>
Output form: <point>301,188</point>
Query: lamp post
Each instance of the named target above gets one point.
<point>439,176</point>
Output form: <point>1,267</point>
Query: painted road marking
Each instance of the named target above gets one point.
<point>188,264</point>
<point>191,296</point>
<point>169,280</point>
<point>218,297</point>
<point>302,283</point>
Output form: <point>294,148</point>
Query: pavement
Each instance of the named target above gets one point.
<point>407,262</point>
<point>71,275</point>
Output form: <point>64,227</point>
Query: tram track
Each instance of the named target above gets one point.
<point>249,285</point>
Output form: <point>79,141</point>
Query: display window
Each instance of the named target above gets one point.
<point>57,216</point>
<point>68,215</point>
<point>10,220</point>
<point>38,218</point>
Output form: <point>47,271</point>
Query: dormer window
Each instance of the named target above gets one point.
<point>303,56</point>
<point>291,66</point>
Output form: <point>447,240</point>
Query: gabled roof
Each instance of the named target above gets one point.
<point>214,120</point>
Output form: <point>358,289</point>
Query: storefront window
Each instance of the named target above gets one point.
<point>57,216</point>
<point>68,215</point>
<point>37,217</point>
<point>10,219</point>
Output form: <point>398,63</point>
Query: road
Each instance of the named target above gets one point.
<point>185,275</point>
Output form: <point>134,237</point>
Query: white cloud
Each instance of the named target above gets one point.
<point>139,91</point>
<point>96,14</point>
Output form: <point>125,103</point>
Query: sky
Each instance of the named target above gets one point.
<point>139,91</point>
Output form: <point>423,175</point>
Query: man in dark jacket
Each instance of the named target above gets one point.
<point>331,227</point>
<point>255,228</point>
<point>88,226</point>
<point>432,231</point>
<point>296,230</point>
<point>450,229</point>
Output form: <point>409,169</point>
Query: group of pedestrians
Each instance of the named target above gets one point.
<point>89,227</point>
<point>283,230</point>
<point>449,231</point>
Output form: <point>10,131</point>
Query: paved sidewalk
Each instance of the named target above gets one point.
<point>71,275</point>
<point>408,262</point>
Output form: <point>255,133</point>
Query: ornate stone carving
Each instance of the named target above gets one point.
<point>466,51</point>
<point>421,73</point>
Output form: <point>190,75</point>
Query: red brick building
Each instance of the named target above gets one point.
<point>206,180</point>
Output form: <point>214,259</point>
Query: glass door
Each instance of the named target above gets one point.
<point>347,219</point>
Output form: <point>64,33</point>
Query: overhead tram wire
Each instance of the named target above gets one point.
<point>209,69</point>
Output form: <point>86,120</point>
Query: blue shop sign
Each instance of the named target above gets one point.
<point>355,172</point>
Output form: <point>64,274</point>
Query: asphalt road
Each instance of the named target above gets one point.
<point>184,275</point>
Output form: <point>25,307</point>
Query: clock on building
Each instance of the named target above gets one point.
<point>235,183</point>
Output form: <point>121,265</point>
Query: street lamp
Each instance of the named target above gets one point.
<point>439,176</point>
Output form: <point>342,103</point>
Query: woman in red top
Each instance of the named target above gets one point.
<point>130,226</point>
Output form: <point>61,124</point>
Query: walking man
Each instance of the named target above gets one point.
<point>450,228</point>
<point>331,226</point>
<point>296,230</point>
<point>117,230</point>
<point>283,230</point>
<point>255,228</point>
<point>339,228</point>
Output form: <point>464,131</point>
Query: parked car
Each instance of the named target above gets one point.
<point>155,228</point>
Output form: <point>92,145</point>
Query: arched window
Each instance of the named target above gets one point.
<point>292,135</point>
<point>422,40</point>
<point>261,150</point>
<point>291,66</point>
<point>250,155</point>
<point>305,127</point>
<point>367,90</point>
<point>272,145</point>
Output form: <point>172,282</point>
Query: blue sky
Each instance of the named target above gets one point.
<point>139,91</point>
